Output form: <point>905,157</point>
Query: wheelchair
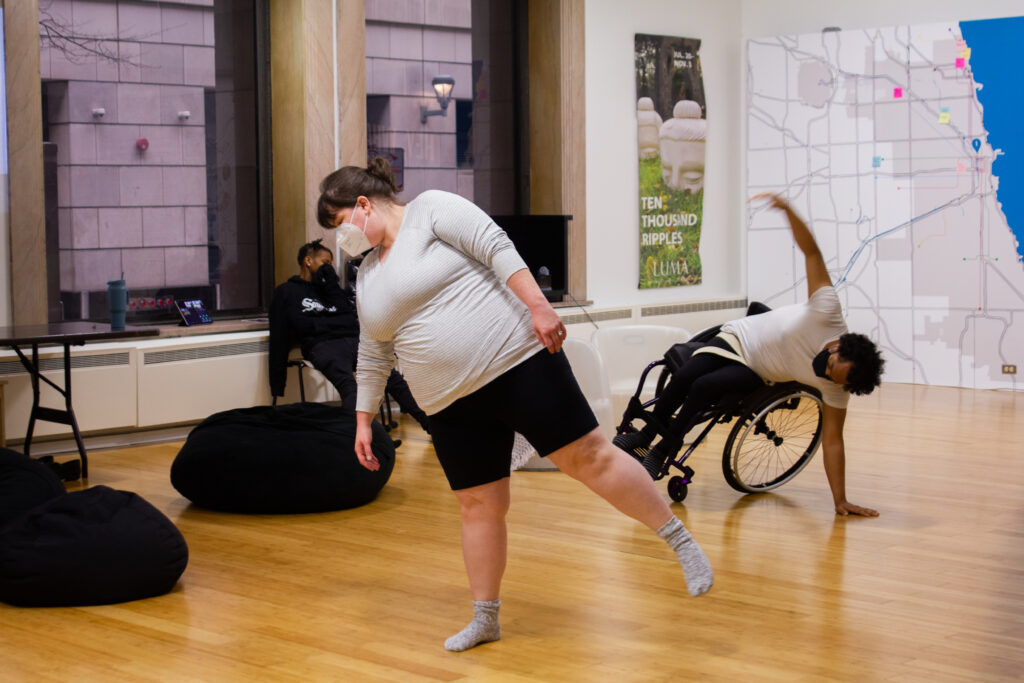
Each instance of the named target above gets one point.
<point>775,430</point>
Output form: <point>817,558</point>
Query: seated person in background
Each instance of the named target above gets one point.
<point>312,310</point>
<point>807,343</point>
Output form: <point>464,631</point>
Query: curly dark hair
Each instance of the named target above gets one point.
<point>314,246</point>
<point>867,363</point>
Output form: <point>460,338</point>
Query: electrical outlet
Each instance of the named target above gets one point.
<point>1009,369</point>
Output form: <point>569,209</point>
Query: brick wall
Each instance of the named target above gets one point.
<point>408,42</point>
<point>123,208</point>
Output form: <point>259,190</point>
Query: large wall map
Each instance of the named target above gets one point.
<point>904,149</point>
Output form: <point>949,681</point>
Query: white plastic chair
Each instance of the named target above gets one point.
<point>592,377</point>
<point>593,380</point>
<point>626,350</point>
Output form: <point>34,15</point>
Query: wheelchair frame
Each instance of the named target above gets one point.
<point>771,434</point>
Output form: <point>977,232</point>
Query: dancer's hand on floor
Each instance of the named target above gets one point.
<point>845,509</point>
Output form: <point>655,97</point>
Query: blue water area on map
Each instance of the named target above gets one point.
<point>997,63</point>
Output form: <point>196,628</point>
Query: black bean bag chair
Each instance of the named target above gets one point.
<point>285,459</point>
<point>91,547</point>
<point>24,484</point>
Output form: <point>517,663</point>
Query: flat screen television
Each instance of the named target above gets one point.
<point>543,242</point>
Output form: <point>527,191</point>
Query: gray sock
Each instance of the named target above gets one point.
<point>483,629</point>
<point>696,568</point>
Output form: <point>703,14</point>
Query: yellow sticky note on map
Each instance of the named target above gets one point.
<point>966,53</point>
<point>944,117</point>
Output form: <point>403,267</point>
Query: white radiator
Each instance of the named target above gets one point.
<point>152,383</point>
<point>103,389</point>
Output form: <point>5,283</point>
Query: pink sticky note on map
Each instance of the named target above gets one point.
<point>961,167</point>
<point>960,62</point>
<point>897,92</point>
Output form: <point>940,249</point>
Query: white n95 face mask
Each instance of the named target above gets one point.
<point>353,240</point>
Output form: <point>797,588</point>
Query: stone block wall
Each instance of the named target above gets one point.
<point>408,42</point>
<point>132,180</point>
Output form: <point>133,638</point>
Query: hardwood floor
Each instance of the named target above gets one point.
<point>931,590</point>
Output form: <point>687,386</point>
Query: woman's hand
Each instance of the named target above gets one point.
<point>364,439</point>
<point>548,326</point>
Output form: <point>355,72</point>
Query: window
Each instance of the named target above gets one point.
<point>476,147</point>
<point>154,158</point>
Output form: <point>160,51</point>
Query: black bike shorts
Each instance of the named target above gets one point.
<point>539,398</point>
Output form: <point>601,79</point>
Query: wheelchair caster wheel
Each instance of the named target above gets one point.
<point>677,489</point>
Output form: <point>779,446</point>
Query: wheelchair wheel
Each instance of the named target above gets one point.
<point>773,441</point>
<point>677,489</point>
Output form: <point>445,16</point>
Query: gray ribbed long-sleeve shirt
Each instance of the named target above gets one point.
<point>440,303</point>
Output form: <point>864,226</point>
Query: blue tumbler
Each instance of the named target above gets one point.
<point>117,292</point>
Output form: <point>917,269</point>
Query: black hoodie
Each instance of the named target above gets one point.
<point>306,313</point>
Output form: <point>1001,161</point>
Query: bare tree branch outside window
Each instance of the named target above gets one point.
<point>79,47</point>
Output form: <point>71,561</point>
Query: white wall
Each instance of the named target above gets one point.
<point>612,173</point>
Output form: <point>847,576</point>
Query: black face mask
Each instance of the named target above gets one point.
<point>325,275</point>
<point>820,363</point>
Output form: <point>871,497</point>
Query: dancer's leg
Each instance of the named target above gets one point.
<point>728,378</point>
<point>335,359</point>
<point>484,538</point>
<point>484,549</point>
<point>399,389</point>
<point>624,483</point>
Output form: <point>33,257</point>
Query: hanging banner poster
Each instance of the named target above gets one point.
<point>671,122</point>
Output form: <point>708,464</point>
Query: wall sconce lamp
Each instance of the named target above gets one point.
<point>443,88</point>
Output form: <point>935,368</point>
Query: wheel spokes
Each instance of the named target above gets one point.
<point>776,447</point>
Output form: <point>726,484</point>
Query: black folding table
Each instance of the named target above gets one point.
<point>66,334</point>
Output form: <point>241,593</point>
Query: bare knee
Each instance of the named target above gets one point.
<point>484,502</point>
<point>589,457</point>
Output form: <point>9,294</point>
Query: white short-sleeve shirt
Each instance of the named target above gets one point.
<point>780,345</point>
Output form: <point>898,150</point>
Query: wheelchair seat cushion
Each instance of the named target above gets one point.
<point>92,547</point>
<point>293,458</point>
<point>24,484</point>
<point>680,353</point>
<point>677,356</point>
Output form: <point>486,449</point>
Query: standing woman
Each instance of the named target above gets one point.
<point>446,292</point>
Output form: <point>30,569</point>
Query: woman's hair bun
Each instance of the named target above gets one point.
<point>380,168</point>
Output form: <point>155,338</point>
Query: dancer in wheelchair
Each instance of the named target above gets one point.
<point>807,343</point>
